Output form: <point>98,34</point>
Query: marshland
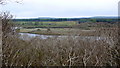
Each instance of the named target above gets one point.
<point>61,39</point>
<point>64,43</point>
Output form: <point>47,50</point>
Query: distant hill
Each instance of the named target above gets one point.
<point>105,17</point>
<point>45,17</point>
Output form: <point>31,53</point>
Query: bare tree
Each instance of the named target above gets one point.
<point>6,28</point>
<point>1,2</point>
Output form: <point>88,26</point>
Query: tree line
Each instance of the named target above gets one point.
<point>81,20</point>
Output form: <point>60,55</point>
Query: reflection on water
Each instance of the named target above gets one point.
<point>85,38</point>
<point>41,36</point>
<point>62,36</point>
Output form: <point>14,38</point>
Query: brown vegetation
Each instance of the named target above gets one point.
<point>58,52</point>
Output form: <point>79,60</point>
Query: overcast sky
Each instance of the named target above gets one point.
<point>62,8</point>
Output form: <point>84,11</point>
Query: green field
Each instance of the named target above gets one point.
<point>46,24</point>
<point>62,28</point>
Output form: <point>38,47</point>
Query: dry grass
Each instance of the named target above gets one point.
<point>59,31</point>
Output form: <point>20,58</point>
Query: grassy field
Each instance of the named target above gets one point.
<point>46,24</point>
<point>63,28</point>
<point>58,31</point>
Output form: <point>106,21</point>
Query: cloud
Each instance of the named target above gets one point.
<point>63,8</point>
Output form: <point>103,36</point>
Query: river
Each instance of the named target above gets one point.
<point>85,38</point>
<point>90,38</point>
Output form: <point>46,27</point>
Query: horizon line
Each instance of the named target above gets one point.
<point>67,17</point>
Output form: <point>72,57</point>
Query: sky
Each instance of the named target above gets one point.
<point>62,8</point>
